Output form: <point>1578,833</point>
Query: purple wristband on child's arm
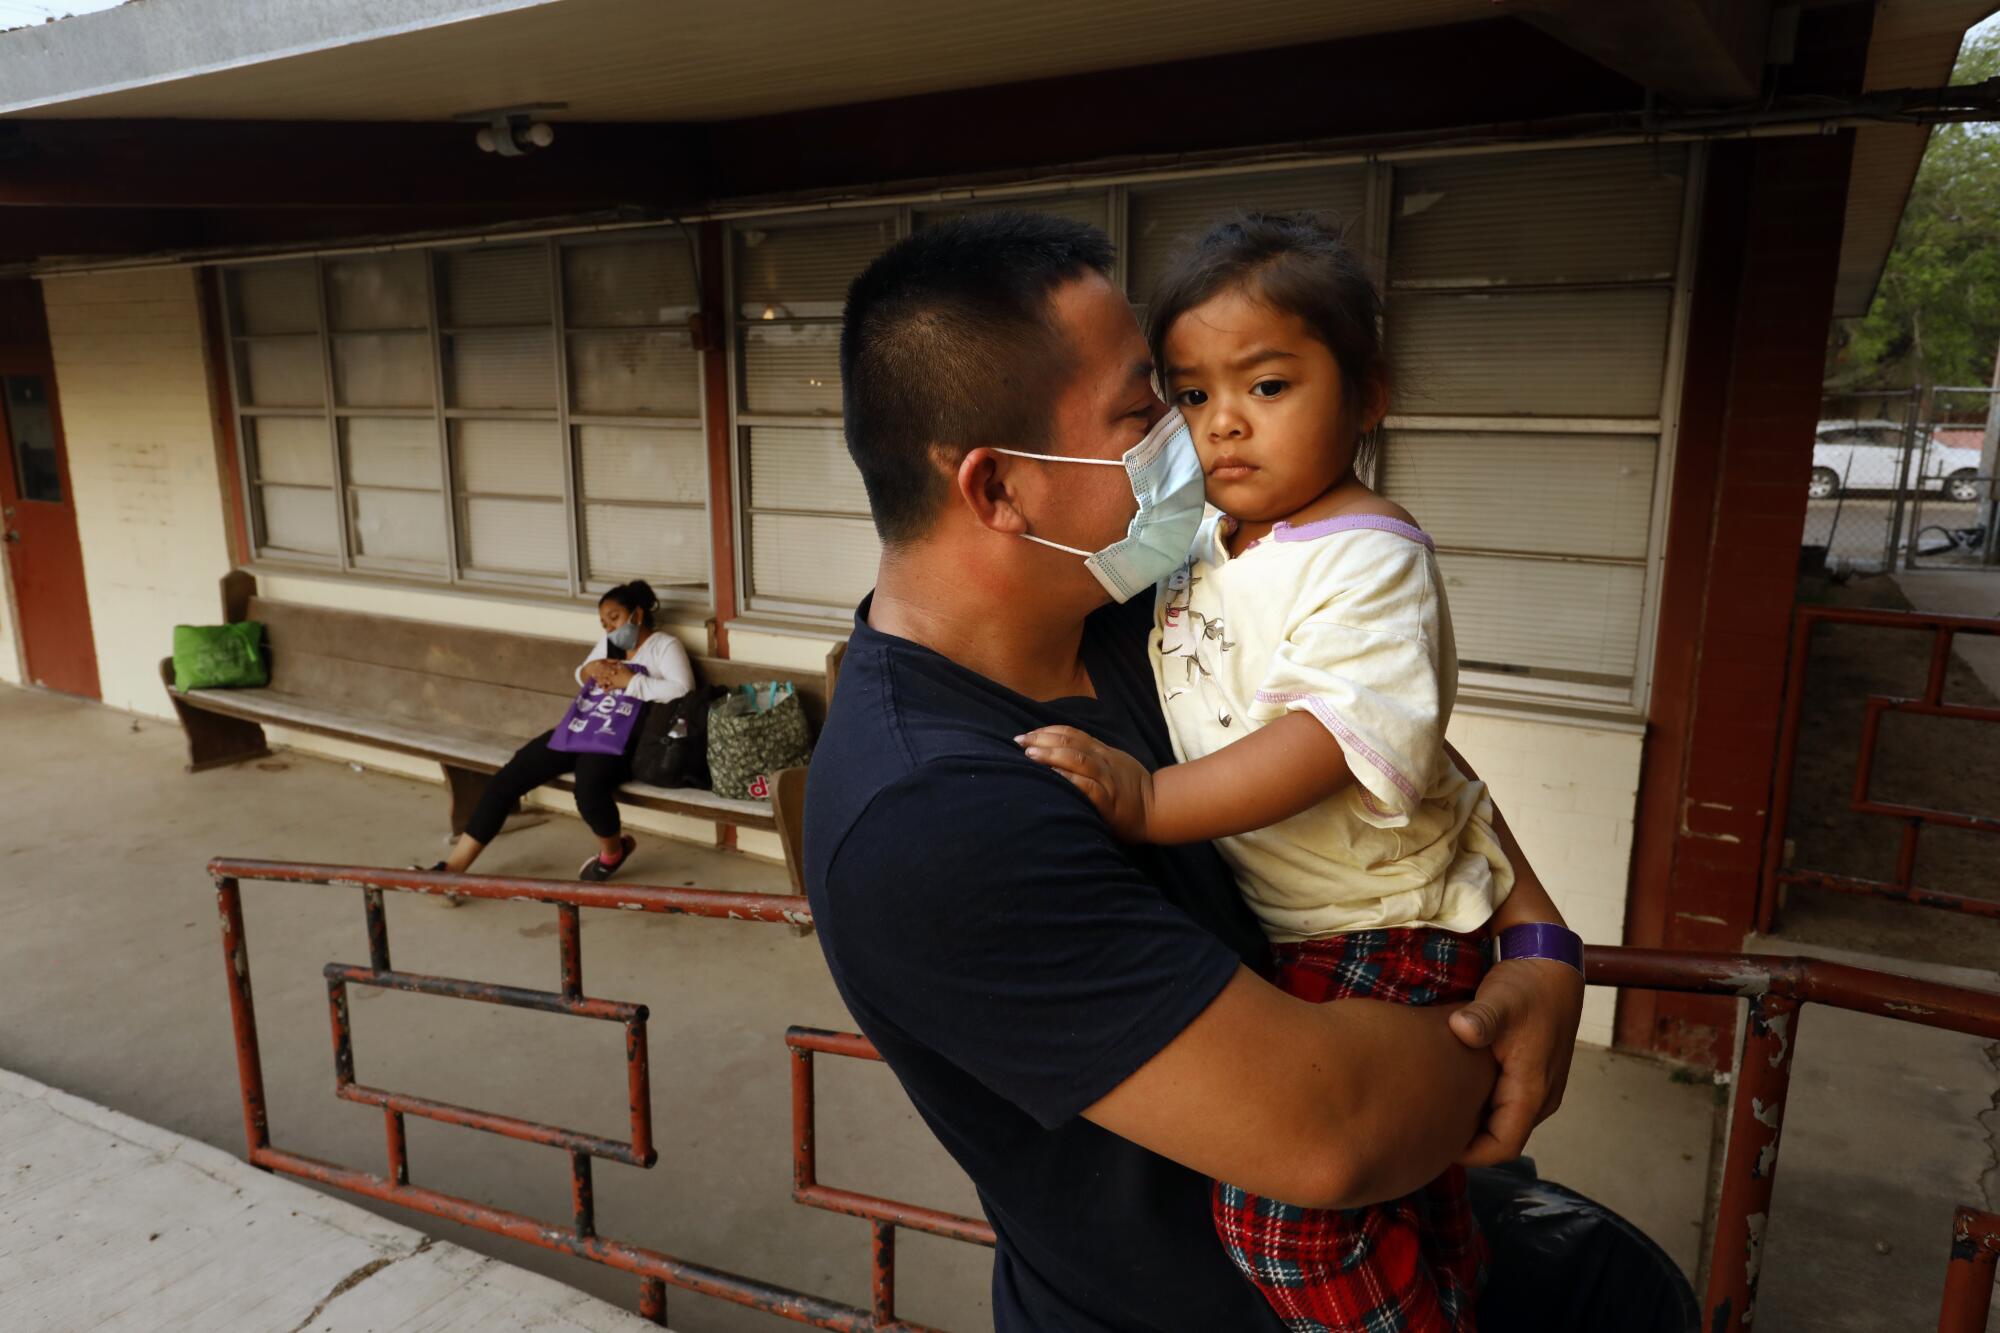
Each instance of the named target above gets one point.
<point>1540,939</point>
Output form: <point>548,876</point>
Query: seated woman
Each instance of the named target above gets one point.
<point>630,640</point>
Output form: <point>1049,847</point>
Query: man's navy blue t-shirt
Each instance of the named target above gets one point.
<point>1014,963</point>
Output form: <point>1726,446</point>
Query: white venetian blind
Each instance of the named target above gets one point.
<point>378,327</point>
<point>635,411</point>
<point>497,327</point>
<point>1164,217</point>
<point>1093,208</point>
<point>811,547</point>
<point>1529,311</point>
<point>280,386</point>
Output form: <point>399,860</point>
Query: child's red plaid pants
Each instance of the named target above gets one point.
<point>1411,1265</point>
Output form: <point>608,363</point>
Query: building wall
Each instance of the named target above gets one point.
<point>132,373</point>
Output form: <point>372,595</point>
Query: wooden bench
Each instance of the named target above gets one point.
<point>466,698</point>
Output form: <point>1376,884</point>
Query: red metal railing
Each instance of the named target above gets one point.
<point>1776,989</point>
<point>1902,888</point>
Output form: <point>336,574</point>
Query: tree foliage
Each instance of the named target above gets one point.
<point>1936,314</point>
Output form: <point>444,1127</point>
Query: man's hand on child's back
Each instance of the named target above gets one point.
<point>1116,783</point>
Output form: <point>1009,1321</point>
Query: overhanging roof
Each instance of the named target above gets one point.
<point>621,60</point>
<point>1913,45</point>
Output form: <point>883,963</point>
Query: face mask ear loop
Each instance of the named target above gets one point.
<point>1056,546</point>
<point>1058,458</point>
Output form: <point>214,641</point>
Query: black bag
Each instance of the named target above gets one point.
<point>673,742</point>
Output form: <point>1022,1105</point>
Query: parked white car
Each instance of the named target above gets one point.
<point>1858,456</point>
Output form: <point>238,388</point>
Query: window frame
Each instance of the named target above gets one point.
<point>576,581</point>
<point>783,611</point>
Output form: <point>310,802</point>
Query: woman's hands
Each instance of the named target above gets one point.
<point>608,674</point>
<point>1116,783</point>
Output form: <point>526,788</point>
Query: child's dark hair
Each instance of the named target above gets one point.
<point>1293,262</point>
<point>636,597</point>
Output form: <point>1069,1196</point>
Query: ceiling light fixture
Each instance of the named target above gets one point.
<point>513,131</point>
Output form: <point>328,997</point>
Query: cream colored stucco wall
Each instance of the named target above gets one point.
<point>10,647</point>
<point>1569,793</point>
<point>132,376</point>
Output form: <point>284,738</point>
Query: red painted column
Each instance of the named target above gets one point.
<point>1768,258</point>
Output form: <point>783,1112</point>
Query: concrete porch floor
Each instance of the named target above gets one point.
<point>111,988</point>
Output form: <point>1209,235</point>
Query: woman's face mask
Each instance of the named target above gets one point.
<point>1167,481</point>
<point>625,638</point>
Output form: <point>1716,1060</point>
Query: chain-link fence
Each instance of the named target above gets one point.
<point>1951,505</point>
<point>1897,481</point>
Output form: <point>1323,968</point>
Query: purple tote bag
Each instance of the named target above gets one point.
<point>599,721</point>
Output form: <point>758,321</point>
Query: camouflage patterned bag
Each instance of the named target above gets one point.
<point>753,733</point>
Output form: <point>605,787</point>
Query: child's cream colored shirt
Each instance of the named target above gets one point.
<point>1346,619</point>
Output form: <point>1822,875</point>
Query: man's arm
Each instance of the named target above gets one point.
<point>1323,1105</point>
<point>1526,1013</point>
<point>1036,958</point>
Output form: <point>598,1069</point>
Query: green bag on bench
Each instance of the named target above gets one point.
<point>220,657</point>
<point>753,732</point>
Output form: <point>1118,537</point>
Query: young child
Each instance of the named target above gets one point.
<point>1305,662</point>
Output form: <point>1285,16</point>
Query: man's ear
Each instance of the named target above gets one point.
<point>981,483</point>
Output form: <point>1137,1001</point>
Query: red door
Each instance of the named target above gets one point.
<point>39,516</point>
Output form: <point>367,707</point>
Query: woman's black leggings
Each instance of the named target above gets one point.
<point>597,780</point>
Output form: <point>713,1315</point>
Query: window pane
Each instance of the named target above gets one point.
<point>494,286</point>
<point>1091,208</point>
<point>1582,354</point>
<point>514,536</point>
<point>382,369</point>
<point>290,449</point>
<point>803,467</point>
<point>32,429</point>
<point>668,547</point>
<point>282,372</point>
<point>791,368</point>
<point>1547,616</point>
<point>628,282</point>
<point>500,368</point>
<point>655,372</point>
<point>803,558</point>
<point>406,527</point>
<point>1584,494</point>
<point>273,298</point>
<point>1165,216</point>
<point>640,463</point>
<point>391,451</point>
<point>1590,215</point>
<point>298,519</point>
<point>507,458</point>
<point>369,292</point>
<point>803,272</point>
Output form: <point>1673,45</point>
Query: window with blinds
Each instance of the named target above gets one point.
<point>809,547</point>
<point>522,415</point>
<point>1530,298</point>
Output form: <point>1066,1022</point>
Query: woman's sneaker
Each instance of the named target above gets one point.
<point>596,870</point>
<point>450,899</point>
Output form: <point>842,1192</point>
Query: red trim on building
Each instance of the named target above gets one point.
<point>1763,298</point>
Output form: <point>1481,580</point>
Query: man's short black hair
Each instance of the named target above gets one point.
<point>948,342</point>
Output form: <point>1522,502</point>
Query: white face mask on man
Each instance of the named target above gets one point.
<point>1167,481</point>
